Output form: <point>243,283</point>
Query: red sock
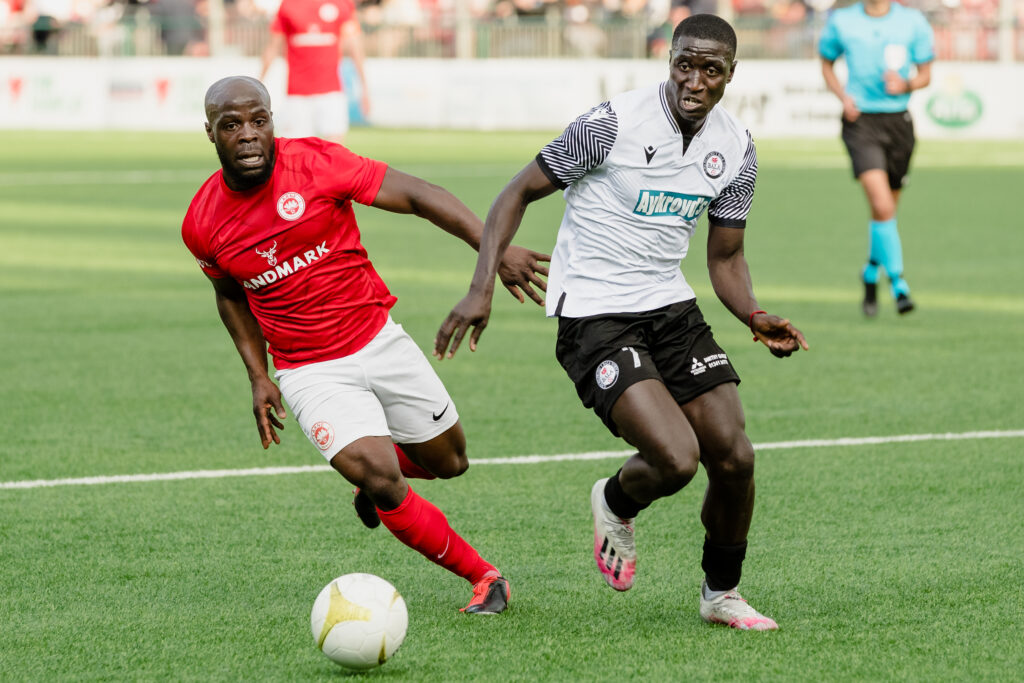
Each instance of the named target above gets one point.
<point>410,469</point>
<point>420,525</point>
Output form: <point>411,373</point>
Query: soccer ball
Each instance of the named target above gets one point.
<point>359,620</point>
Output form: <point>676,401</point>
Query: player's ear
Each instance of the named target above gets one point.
<point>209,131</point>
<point>732,71</point>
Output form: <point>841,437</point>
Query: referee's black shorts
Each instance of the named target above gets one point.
<point>606,354</point>
<point>884,141</point>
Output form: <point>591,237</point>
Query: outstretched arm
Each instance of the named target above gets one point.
<point>519,268</point>
<point>503,220</point>
<point>730,276</point>
<point>245,332</point>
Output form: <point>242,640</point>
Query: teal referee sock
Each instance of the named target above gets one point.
<point>887,252</point>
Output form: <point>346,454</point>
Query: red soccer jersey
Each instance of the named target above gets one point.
<point>293,243</point>
<point>311,29</point>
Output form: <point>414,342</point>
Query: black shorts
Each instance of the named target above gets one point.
<point>606,354</point>
<point>883,141</point>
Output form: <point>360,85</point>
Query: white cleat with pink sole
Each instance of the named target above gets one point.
<point>733,611</point>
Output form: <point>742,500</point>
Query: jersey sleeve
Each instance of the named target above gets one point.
<point>347,175</point>
<point>830,47</point>
<point>348,11</point>
<point>190,235</point>
<point>582,146</point>
<point>730,208</point>
<point>277,25</point>
<point>922,49</point>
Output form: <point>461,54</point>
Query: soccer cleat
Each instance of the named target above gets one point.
<point>904,304</point>
<point>366,510</point>
<point>614,548</point>
<point>870,303</point>
<point>490,595</point>
<point>733,611</point>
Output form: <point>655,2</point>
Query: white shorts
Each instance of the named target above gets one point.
<point>324,115</point>
<point>387,388</point>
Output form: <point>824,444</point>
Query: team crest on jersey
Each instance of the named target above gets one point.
<point>656,203</point>
<point>607,373</point>
<point>328,12</point>
<point>714,164</point>
<point>291,206</point>
<point>323,435</point>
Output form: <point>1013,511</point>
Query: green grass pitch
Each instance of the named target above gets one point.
<point>894,561</point>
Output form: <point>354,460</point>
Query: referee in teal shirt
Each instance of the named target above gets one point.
<point>889,50</point>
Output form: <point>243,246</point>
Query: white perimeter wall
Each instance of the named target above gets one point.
<point>774,98</point>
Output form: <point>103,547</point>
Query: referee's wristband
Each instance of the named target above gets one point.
<point>750,322</point>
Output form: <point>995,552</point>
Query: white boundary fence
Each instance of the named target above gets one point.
<point>774,98</point>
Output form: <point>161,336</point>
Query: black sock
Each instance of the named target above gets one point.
<point>722,564</point>
<point>619,502</point>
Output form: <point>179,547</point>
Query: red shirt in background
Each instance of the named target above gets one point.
<point>294,245</point>
<point>312,30</point>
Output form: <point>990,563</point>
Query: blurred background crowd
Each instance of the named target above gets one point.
<point>965,29</point>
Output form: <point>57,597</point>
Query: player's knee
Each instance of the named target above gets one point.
<point>384,485</point>
<point>453,465</point>
<point>883,209</point>
<point>732,464</point>
<point>676,472</point>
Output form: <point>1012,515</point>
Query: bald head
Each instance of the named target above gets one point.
<point>241,126</point>
<point>231,90</point>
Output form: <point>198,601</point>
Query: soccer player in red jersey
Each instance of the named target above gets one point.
<point>275,233</point>
<point>314,35</point>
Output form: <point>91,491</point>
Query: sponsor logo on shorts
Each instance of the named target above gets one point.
<point>291,206</point>
<point>322,434</point>
<point>657,203</point>
<point>607,373</point>
<point>714,164</point>
<point>699,367</point>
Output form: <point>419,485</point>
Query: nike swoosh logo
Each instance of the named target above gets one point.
<point>439,415</point>
<point>447,542</point>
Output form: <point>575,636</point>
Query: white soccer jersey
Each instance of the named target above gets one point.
<point>633,198</point>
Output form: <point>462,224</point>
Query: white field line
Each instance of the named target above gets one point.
<point>518,460</point>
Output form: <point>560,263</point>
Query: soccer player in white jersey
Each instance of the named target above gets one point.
<point>637,172</point>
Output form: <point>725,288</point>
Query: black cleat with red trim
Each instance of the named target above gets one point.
<point>490,595</point>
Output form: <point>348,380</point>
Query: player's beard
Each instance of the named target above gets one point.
<point>247,178</point>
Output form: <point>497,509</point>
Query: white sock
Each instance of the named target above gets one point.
<point>710,594</point>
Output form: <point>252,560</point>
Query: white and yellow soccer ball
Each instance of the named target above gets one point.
<point>359,620</point>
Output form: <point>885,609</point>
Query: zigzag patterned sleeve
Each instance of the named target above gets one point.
<point>730,208</point>
<point>582,146</point>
